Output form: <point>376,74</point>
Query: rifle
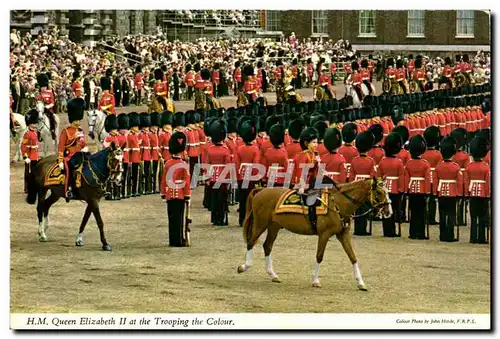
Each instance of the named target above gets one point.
<point>187,221</point>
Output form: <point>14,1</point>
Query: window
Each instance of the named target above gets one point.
<point>465,23</point>
<point>416,23</point>
<point>272,21</point>
<point>367,23</point>
<point>319,22</point>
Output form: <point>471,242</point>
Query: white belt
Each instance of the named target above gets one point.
<point>165,147</point>
<point>36,146</point>
<point>472,182</point>
<point>135,149</point>
<point>462,169</point>
<point>331,173</point>
<point>361,176</point>
<point>145,147</point>
<point>126,149</point>
<point>178,181</point>
<point>155,147</point>
<point>193,144</point>
<point>214,166</point>
<point>392,178</point>
<point>443,181</point>
<point>412,179</point>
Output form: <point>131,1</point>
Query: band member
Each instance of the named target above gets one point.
<point>401,75</point>
<point>193,140</point>
<point>123,131</point>
<point>145,174</point>
<point>326,83</point>
<point>347,150</point>
<point>237,78</point>
<point>134,144</point>
<point>189,81</point>
<point>477,178</point>
<point>165,134</point>
<point>111,126</point>
<point>447,73</point>
<point>71,141</point>
<point>47,96</point>
<point>29,147</point>
<point>466,68</point>
<point>160,86</point>
<point>365,75</point>
<point>245,156</point>
<point>419,75</point>
<point>391,168</point>
<point>275,158</point>
<point>449,187</point>
<point>250,84</point>
<point>107,102</point>
<point>404,156</point>
<point>218,156</point>
<point>433,157</point>
<point>154,141</point>
<point>362,167</point>
<point>462,159</point>
<point>410,67</point>
<point>138,85</point>
<point>208,87</point>
<point>77,87</point>
<point>334,162</point>
<point>418,184</point>
<point>176,190</point>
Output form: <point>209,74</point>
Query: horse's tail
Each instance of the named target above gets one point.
<point>247,224</point>
<point>33,188</point>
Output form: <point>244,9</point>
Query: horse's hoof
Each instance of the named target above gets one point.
<point>241,269</point>
<point>316,284</point>
<point>276,280</point>
<point>362,288</point>
<point>79,243</point>
<point>106,247</point>
<point>42,239</point>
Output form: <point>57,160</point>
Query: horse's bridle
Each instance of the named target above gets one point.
<point>96,173</point>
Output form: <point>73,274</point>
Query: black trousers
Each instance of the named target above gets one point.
<point>118,98</point>
<point>207,196</point>
<point>401,84</point>
<point>447,218</point>
<point>243,197</point>
<point>146,182</point>
<point>219,205</point>
<point>480,219</point>
<point>404,205</point>
<point>431,210</point>
<point>28,170</point>
<point>138,97</point>
<point>416,203</point>
<point>134,179</point>
<point>190,92</point>
<point>176,220</point>
<point>461,212</point>
<point>361,222</point>
<point>389,224</point>
<point>192,162</point>
<point>126,99</point>
<point>155,181</point>
<point>125,191</point>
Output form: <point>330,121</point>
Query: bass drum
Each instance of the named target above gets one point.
<point>413,86</point>
<point>459,80</point>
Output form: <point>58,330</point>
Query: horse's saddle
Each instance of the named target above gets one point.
<point>293,202</point>
<point>55,176</point>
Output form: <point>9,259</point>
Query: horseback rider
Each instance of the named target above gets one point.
<point>71,141</point>
<point>356,79</point>
<point>365,75</point>
<point>160,87</point>
<point>47,96</point>
<point>326,82</point>
<point>107,102</point>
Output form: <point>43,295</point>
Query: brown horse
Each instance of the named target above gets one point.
<point>343,201</point>
<point>91,173</point>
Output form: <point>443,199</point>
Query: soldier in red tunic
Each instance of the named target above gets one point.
<point>377,151</point>
<point>447,73</point>
<point>107,102</point>
<point>154,141</point>
<point>477,178</point>
<point>250,84</point>
<point>47,96</point>
<point>160,88</point>
<point>326,83</point>
<point>365,75</point>
<point>216,79</point>
<point>71,141</point>
<point>193,140</point>
<point>134,143</point>
<point>176,190</point>
<point>294,129</point>
<point>237,78</point>
<point>138,85</point>
<point>434,157</point>
<point>29,147</point>
<point>333,162</point>
<point>111,126</point>
<point>321,127</point>
<point>189,81</point>
<point>310,72</point>
<point>449,187</point>
<point>275,158</point>
<point>347,150</point>
<point>418,185</point>
<point>246,155</point>
<point>123,130</point>
<point>392,169</point>
<point>401,75</point>
<point>419,75</point>
<point>164,137</point>
<point>77,85</point>
<point>218,155</point>
<point>145,181</point>
<point>404,156</point>
<point>462,159</point>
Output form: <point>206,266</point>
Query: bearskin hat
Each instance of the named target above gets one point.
<point>111,123</point>
<point>178,120</point>
<point>123,121</point>
<point>403,132</point>
<point>354,66</point>
<point>197,67</point>
<point>205,74</point>
<point>479,147</point>
<point>188,67</point>
<point>43,80</point>
<point>484,133</point>
<point>460,136</point>
<point>158,74</point>
<point>232,124</point>
<point>177,143</point>
<point>109,72</point>
<point>295,128</point>
<point>418,63</point>
<point>156,119</point>
<point>378,133</point>
<point>309,60</point>
<point>166,118</point>
<point>390,62</point>
<point>248,130</point>
<point>417,146</point>
<point>465,57</point>
<point>349,132</point>
<point>448,147</point>
<point>138,69</point>
<point>75,109</point>
<point>432,135</point>
<point>206,125</point>
<point>364,141</point>
<point>272,120</point>
<point>307,135</point>
<point>393,144</point>
<point>189,117</point>
<point>399,63</point>
<point>364,63</point>
<point>218,130</point>
<point>31,117</point>
<point>277,135</point>
<point>315,118</point>
<point>105,84</point>
<point>458,57</point>
<point>145,120</point>
<point>447,61</point>
<point>332,139</point>
<point>321,127</point>
<point>76,75</point>
<point>134,120</point>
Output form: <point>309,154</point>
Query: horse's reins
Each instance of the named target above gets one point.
<point>95,172</point>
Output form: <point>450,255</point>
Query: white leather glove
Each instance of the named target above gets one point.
<point>301,190</point>
<point>27,160</point>
<point>61,165</point>
<point>85,149</point>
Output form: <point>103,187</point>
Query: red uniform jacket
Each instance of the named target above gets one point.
<point>145,146</point>
<point>122,140</point>
<point>77,89</point>
<point>433,157</point>
<point>325,79</point>
<point>356,79</point>
<point>237,75</point>
<point>218,156</point>
<point>293,149</point>
<point>419,74</point>
<point>232,145</point>
<point>264,146</point>
<point>365,75</point>
<point>245,157</point>
<point>462,159</point>
<point>180,177</point>
<point>259,77</point>
<point>477,180</point>
<point>349,152</point>
<point>404,156</point>
<point>277,73</point>
<point>310,70</point>
<point>275,160</point>
<point>155,146</point>
<point>449,180</point>
<point>333,68</point>
<point>107,103</point>
<point>447,71</point>
<point>193,143</point>
<point>347,68</point>
<point>305,157</point>
<point>138,82</point>
<point>163,144</point>
<point>260,140</point>
<point>391,73</point>
<point>109,139</point>
<point>322,150</point>
<point>216,77</point>
<point>134,143</point>
<point>334,167</point>
<point>47,96</point>
<point>376,153</point>
<point>161,88</point>
<point>71,140</point>
<point>362,167</point>
<point>411,65</point>
<point>29,145</point>
<point>400,74</point>
<point>189,79</point>
<point>393,170</point>
<point>418,176</point>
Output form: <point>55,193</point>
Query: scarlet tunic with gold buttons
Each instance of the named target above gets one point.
<point>477,180</point>
<point>245,157</point>
<point>163,144</point>
<point>134,144</point>
<point>394,172</point>
<point>293,149</point>
<point>334,167</point>
<point>122,140</point>
<point>433,157</point>
<point>217,157</point>
<point>29,145</point>
<point>110,138</point>
<point>161,88</point>
<point>275,160</point>
<point>418,176</point>
<point>47,96</point>
<point>145,146</point>
<point>349,152</point>
<point>107,103</point>
<point>180,177</point>
<point>71,140</point>
<point>449,180</point>
<point>362,167</point>
<point>193,143</point>
<point>155,148</point>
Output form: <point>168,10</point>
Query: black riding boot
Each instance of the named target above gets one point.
<point>313,217</point>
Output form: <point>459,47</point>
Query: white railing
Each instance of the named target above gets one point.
<point>218,18</point>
